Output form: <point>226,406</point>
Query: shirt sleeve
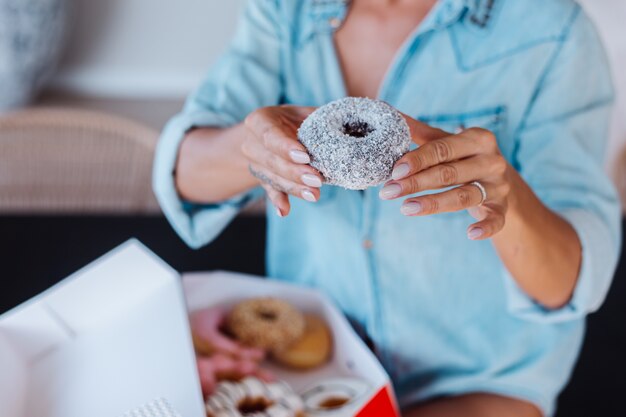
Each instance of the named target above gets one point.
<point>245,78</point>
<point>561,147</point>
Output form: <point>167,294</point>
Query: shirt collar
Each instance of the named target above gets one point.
<point>448,12</point>
<point>445,12</point>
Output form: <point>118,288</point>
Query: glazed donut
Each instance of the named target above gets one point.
<point>266,323</point>
<point>354,142</point>
<point>252,397</point>
<point>311,350</point>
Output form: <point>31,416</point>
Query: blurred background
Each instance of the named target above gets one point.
<point>86,86</point>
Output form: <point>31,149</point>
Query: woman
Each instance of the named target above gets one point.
<point>470,317</point>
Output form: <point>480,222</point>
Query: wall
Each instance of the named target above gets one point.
<point>162,48</point>
<point>146,48</point>
<point>610,17</point>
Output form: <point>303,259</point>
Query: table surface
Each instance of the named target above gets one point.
<point>39,251</point>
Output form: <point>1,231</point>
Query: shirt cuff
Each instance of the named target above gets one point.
<point>196,224</point>
<point>594,279</point>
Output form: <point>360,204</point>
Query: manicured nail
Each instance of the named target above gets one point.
<point>311,180</point>
<point>475,233</point>
<point>299,157</point>
<point>390,191</point>
<point>400,171</point>
<point>411,208</point>
<point>309,196</point>
<point>278,212</point>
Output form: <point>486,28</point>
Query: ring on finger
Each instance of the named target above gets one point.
<point>483,191</point>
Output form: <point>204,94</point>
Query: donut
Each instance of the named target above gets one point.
<point>253,397</point>
<point>354,142</point>
<point>335,397</point>
<point>311,350</point>
<point>266,323</point>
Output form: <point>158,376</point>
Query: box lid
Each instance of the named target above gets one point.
<point>109,338</point>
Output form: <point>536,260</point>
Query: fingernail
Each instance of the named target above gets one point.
<point>390,191</point>
<point>309,196</point>
<point>410,208</point>
<point>400,171</point>
<point>475,233</point>
<point>311,180</point>
<point>299,157</point>
<point>278,212</point>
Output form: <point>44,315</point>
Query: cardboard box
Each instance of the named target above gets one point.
<point>115,335</point>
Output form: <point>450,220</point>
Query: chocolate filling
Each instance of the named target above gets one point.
<point>358,129</point>
<point>253,405</point>
<point>333,402</point>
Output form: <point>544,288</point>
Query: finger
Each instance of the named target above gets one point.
<point>448,149</point>
<point>421,132</point>
<point>440,176</point>
<point>488,227</point>
<point>284,143</point>
<point>205,325</point>
<point>277,129</point>
<point>297,173</point>
<point>459,198</point>
<point>281,184</point>
<point>279,200</point>
<point>208,323</point>
<point>206,371</point>
<point>265,375</point>
<point>226,367</point>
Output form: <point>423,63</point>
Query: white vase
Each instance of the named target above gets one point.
<point>32,35</point>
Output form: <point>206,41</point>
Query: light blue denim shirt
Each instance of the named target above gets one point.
<point>445,316</point>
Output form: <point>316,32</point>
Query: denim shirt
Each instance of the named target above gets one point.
<point>443,312</point>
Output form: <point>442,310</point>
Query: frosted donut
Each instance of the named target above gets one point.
<point>266,323</point>
<point>208,338</point>
<point>354,142</point>
<point>252,397</point>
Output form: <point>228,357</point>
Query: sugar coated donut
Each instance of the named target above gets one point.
<point>253,397</point>
<point>354,142</point>
<point>311,350</point>
<point>266,323</point>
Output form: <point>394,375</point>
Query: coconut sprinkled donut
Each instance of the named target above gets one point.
<point>354,142</point>
<point>253,397</point>
<point>266,323</point>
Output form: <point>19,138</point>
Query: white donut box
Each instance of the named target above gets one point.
<point>114,336</point>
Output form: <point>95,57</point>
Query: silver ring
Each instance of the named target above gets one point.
<point>483,192</point>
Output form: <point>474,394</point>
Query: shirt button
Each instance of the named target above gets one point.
<point>368,244</point>
<point>334,22</point>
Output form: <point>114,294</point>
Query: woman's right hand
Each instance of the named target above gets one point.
<point>276,157</point>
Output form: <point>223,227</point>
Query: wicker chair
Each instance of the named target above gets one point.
<point>75,161</point>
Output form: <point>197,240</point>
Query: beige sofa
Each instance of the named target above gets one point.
<point>75,161</point>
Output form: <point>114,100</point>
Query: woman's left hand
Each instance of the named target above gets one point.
<point>444,160</point>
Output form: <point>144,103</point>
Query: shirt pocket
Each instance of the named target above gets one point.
<point>492,119</point>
